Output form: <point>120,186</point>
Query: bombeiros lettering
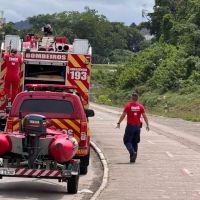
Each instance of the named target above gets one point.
<point>46,56</point>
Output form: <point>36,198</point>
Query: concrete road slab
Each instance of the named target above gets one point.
<point>165,169</point>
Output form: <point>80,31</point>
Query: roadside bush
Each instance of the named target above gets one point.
<point>120,55</point>
<point>104,99</point>
<point>143,66</point>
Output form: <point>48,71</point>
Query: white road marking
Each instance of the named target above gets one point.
<point>99,117</point>
<point>169,154</point>
<point>149,141</point>
<point>85,191</point>
<point>187,172</point>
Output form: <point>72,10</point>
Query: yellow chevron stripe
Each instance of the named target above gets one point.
<point>84,60</point>
<point>79,121</point>
<point>77,138</point>
<point>21,81</point>
<point>81,86</point>
<point>73,61</point>
<point>64,127</point>
<point>89,66</point>
<point>72,125</point>
<point>15,119</point>
<point>16,123</point>
<point>82,152</point>
<point>59,123</point>
<point>16,127</point>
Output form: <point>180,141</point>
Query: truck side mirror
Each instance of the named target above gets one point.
<point>89,112</point>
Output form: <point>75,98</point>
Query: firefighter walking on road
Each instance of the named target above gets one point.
<point>133,110</point>
<point>13,63</point>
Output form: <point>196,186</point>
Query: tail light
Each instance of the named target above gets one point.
<point>83,138</point>
<point>9,125</point>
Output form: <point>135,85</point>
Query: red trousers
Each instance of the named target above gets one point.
<point>11,82</point>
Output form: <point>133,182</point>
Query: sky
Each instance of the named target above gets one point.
<point>126,11</point>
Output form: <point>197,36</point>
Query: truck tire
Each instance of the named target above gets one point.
<point>83,170</point>
<point>72,184</point>
<point>84,164</point>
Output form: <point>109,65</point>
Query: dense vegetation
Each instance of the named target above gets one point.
<point>111,41</point>
<point>167,74</point>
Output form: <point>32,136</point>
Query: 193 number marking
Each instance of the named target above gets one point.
<point>77,75</point>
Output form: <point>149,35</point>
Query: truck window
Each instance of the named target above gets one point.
<point>46,74</point>
<point>47,106</point>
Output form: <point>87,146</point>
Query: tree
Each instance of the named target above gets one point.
<point>9,28</point>
<point>104,36</point>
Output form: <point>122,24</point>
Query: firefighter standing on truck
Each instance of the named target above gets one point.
<point>13,63</point>
<point>133,110</point>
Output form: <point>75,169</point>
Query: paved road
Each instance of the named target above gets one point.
<point>46,189</point>
<point>168,162</point>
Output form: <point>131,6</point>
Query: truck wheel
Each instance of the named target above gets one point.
<point>83,170</point>
<point>72,184</point>
<point>84,164</point>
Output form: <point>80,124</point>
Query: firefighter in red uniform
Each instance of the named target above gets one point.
<point>13,63</point>
<point>133,110</point>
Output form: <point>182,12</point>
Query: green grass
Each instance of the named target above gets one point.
<point>105,65</point>
<point>184,104</point>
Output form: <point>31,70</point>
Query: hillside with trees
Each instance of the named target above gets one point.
<point>107,38</point>
<point>166,74</point>
<point>164,71</point>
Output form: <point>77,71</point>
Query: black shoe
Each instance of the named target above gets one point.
<point>133,157</point>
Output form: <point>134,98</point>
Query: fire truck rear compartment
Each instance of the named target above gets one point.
<point>44,74</point>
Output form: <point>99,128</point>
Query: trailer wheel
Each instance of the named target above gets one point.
<point>72,184</point>
<point>2,124</point>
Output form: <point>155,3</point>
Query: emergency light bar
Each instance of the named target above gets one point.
<point>51,87</point>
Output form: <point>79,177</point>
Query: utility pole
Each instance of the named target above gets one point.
<point>2,19</point>
<point>2,22</point>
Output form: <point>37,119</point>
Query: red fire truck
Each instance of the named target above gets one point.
<point>50,60</point>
